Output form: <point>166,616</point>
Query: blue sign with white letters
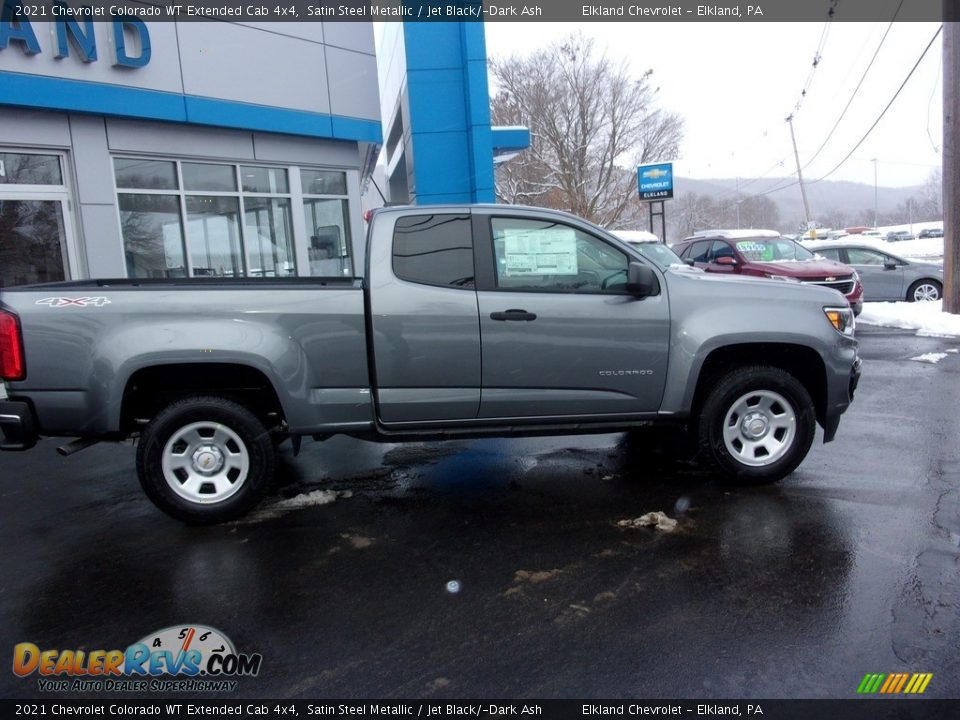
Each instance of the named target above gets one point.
<point>16,28</point>
<point>655,182</point>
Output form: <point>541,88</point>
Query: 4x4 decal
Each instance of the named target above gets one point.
<point>58,302</point>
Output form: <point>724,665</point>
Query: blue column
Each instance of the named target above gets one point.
<point>449,107</point>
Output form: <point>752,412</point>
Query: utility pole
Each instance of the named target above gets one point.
<point>951,159</point>
<point>803,190</point>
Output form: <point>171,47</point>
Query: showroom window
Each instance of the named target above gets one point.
<point>207,219</point>
<point>35,231</point>
<point>326,214</point>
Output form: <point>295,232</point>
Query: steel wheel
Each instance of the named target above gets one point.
<point>205,462</point>
<point>759,428</point>
<point>205,459</point>
<point>756,425</point>
<point>924,291</point>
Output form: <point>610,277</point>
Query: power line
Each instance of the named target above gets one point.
<point>872,127</point>
<point>930,102</point>
<point>817,57</point>
<point>856,89</point>
<point>884,112</point>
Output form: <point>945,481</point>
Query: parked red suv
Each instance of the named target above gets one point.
<point>765,253</point>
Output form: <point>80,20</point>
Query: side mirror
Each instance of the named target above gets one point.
<point>689,261</point>
<point>726,260</point>
<point>890,265</point>
<point>642,280</point>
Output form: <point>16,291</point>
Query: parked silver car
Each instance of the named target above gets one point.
<point>650,247</point>
<point>885,276</point>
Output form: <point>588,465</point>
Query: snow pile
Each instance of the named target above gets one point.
<point>658,519</point>
<point>932,358</point>
<point>927,318</point>
<point>297,502</point>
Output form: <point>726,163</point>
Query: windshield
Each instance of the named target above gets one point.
<point>772,250</point>
<point>658,253</point>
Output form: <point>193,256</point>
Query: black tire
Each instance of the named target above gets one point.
<point>783,406</point>
<point>224,431</point>
<point>935,293</point>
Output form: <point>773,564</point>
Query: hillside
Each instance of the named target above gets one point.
<point>828,199</point>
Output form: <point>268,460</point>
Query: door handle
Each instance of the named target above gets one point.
<point>514,314</point>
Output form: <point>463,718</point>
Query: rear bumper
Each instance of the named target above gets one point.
<point>19,430</point>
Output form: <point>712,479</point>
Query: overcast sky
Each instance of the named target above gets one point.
<point>735,83</point>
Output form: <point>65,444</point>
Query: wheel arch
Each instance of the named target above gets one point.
<point>801,361</point>
<point>911,288</point>
<point>150,389</point>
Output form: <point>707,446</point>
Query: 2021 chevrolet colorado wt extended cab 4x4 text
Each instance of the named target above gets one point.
<point>466,321</point>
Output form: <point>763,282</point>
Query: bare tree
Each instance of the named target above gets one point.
<point>591,124</point>
<point>691,212</point>
<point>931,197</point>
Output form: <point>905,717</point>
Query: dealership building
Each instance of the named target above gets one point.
<point>229,149</point>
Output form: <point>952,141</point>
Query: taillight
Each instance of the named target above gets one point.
<point>11,348</point>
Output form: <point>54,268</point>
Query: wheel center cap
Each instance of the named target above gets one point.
<point>207,459</point>
<point>754,425</point>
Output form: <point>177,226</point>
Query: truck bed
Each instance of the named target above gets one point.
<point>85,340</point>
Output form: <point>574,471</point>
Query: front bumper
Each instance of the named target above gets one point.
<point>832,421</point>
<point>19,430</point>
<point>854,377</point>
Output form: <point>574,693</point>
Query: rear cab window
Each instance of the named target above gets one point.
<point>434,249</point>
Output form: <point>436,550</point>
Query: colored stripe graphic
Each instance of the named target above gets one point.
<point>894,683</point>
<point>903,681</point>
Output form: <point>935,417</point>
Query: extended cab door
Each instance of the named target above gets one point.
<point>561,335</point>
<point>423,317</point>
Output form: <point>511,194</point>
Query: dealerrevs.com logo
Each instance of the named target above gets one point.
<point>183,658</point>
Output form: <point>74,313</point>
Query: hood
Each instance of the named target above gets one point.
<point>818,268</point>
<point>757,287</point>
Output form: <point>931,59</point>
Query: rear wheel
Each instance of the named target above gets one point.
<point>205,460</point>
<point>925,291</point>
<point>756,425</point>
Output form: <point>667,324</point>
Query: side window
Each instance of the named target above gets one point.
<point>829,253</point>
<point>720,249</point>
<point>434,250</point>
<point>549,256</point>
<point>859,256</point>
<point>700,251</point>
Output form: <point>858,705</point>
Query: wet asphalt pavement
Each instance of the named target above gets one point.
<point>496,568</point>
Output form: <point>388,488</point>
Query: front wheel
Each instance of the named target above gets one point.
<point>756,425</point>
<point>205,460</point>
<point>925,291</point>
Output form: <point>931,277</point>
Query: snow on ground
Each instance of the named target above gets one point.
<point>926,249</point>
<point>927,318</point>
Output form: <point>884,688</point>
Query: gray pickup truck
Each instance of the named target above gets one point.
<point>466,321</point>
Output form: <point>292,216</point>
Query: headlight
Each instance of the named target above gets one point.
<point>784,278</point>
<point>856,275</point>
<point>841,318</point>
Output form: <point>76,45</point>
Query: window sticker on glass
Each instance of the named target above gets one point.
<point>551,251</point>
